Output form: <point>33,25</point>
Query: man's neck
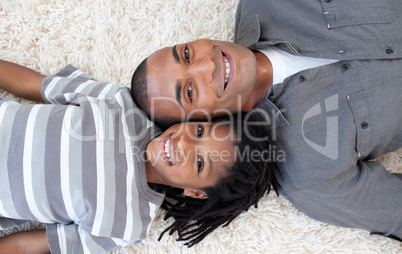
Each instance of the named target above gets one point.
<point>263,82</point>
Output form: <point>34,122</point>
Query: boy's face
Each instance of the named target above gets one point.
<point>200,78</point>
<point>191,156</point>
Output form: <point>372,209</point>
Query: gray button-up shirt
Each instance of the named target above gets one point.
<point>329,122</point>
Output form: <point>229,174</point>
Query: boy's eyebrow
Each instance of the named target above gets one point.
<point>211,166</point>
<point>178,93</point>
<point>175,55</point>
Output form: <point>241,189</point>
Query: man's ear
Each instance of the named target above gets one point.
<point>195,193</point>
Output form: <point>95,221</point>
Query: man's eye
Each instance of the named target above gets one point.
<point>190,93</point>
<point>187,54</point>
<point>200,131</point>
<point>200,164</point>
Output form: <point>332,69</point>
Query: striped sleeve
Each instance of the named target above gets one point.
<point>70,85</point>
<point>72,238</point>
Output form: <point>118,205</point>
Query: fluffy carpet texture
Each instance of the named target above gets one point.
<point>108,39</point>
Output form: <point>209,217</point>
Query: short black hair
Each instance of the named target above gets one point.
<point>245,183</point>
<point>139,87</point>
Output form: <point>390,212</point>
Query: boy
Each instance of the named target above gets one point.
<point>82,164</point>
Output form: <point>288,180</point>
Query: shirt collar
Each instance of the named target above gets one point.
<point>273,115</point>
<point>247,34</point>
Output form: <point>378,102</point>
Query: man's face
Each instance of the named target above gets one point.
<point>199,79</point>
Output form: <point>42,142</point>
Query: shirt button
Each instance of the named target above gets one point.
<point>364,125</point>
<point>345,67</point>
<point>302,78</point>
<point>389,51</point>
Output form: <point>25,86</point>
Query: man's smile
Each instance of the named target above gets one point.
<point>228,70</point>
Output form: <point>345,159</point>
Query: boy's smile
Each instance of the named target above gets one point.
<point>166,148</point>
<point>190,155</point>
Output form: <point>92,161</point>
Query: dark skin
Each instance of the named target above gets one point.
<point>25,242</point>
<point>20,81</point>
<point>205,78</point>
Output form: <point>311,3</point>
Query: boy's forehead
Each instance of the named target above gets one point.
<point>222,132</point>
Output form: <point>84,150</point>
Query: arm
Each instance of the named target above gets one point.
<point>20,81</point>
<point>365,197</point>
<point>25,242</point>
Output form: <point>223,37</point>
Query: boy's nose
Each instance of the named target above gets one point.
<point>183,147</point>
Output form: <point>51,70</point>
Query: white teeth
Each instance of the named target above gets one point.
<point>167,149</point>
<point>227,65</point>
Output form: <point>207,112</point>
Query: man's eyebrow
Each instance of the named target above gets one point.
<point>178,93</point>
<point>175,55</point>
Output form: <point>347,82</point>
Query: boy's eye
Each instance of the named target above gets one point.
<point>190,93</point>
<point>200,164</point>
<point>187,54</point>
<point>200,131</point>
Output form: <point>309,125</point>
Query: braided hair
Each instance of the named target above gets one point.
<point>246,182</point>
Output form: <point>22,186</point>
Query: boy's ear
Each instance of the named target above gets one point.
<point>195,193</point>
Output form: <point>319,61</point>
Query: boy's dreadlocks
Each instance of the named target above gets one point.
<point>246,182</point>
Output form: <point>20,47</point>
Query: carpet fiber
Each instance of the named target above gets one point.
<point>108,39</point>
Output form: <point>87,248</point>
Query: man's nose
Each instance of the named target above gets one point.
<point>203,68</point>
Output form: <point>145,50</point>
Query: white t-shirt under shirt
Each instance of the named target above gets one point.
<point>285,64</point>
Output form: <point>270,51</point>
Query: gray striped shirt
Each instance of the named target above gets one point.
<point>76,164</point>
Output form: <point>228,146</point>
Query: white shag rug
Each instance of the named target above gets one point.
<point>108,39</point>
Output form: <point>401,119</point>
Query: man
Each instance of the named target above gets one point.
<point>327,74</point>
